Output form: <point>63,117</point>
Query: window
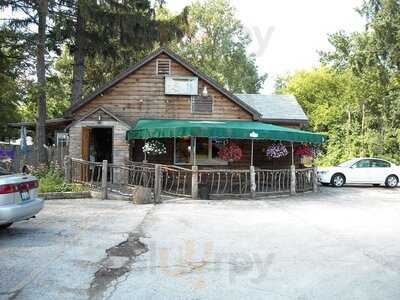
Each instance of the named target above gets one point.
<point>206,151</point>
<point>202,104</point>
<point>182,150</point>
<point>376,163</point>
<point>163,66</point>
<point>181,85</point>
<point>364,163</point>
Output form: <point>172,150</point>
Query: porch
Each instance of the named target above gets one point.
<point>191,158</point>
<point>195,183</point>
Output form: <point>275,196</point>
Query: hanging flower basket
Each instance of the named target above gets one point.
<point>154,147</point>
<point>230,152</point>
<point>277,150</point>
<point>305,150</point>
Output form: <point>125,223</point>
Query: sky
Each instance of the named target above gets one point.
<point>287,34</point>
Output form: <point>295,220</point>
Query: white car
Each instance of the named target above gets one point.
<point>18,198</point>
<point>373,171</point>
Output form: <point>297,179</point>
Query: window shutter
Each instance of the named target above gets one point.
<point>163,66</point>
<point>202,104</point>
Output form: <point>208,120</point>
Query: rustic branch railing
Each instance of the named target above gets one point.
<point>121,176</point>
<point>272,181</point>
<point>304,180</point>
<point>86,172</point>
<point>176,181</point>
<point>225,182</point>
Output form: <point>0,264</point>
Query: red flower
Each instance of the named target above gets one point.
<point>304,150</point>
<point>230,152</point>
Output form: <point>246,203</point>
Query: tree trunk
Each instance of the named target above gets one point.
<point>41,78</point>
<point>79,57</point>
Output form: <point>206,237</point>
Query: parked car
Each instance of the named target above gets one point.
<point>373,171</point>
<point>18,198</point>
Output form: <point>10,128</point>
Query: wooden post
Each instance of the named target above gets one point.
<point>104,172</point>
<point>252,182</point>
<point>195,182</point>
<point>292,180</point>
<point>68,168</point>
<point>315,180</point>
<point>252,153</point>
<point>193,150</point>
<point>157,184</point>
<point>292,153</point>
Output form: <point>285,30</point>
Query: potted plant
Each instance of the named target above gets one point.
<point>230,152</point>
<point>276,150</point>
<point>154,148</point>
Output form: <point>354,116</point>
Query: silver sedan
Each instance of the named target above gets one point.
<point>18,198</point>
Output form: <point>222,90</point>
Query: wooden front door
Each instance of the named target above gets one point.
<point>85,152</point>
<point>85,142</point>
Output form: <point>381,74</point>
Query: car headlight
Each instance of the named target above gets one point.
<point>322,172</point>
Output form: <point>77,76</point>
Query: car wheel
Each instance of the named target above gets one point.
<point>4,226</point>
<point>392,181</point>
<point>338,180</point>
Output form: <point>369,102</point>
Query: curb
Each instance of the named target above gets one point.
<point>64,195</point>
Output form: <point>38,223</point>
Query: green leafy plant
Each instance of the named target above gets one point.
<point>51,179</point>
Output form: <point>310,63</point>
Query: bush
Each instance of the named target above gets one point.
<point>51,179</point>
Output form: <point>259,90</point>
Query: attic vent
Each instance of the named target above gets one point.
<point>202,104</point>
<point>163,66</point>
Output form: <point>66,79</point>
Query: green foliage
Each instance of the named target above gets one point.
<point>216,42</point>
<point>58,87</point>
<point>11,56</point>
<point>51,179</point>
<point>354,97</point>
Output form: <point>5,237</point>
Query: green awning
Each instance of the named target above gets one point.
<point>167,128</point>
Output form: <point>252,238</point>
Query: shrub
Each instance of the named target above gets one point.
<point>51,179</point>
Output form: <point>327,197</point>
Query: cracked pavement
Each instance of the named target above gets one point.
<point>338,244</point>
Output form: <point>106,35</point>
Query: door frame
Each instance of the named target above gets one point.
<point>89,129</point>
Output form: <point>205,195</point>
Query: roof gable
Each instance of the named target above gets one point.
<point>98,112</point>
<point>74,107</point>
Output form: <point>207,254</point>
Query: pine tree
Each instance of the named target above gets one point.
<point>35,13</point>
<point>108,29</point>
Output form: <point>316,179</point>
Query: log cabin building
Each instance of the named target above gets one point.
<point>164,97</point>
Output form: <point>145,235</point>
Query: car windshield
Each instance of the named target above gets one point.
<point>347,163</point>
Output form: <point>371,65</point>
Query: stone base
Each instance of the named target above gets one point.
<point>142,195</point>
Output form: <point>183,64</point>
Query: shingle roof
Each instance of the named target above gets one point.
<point>275,107</point>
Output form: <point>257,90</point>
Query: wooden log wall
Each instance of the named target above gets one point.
<point>142,95</point>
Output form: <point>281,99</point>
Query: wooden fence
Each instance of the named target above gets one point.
<point>176,181</point>
<point>224,182</point>
<point>17,159</point>
<point>305,179</point>
<point>272,181</point>
<point>183,182</point>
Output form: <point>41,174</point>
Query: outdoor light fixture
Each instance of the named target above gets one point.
<point>253,135</point>
<point>99,119</point>
<point>205,92</point>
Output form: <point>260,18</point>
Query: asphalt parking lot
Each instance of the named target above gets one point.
<point>338,244</point>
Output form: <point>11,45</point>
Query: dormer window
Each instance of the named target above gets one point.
<point>163,67</point>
